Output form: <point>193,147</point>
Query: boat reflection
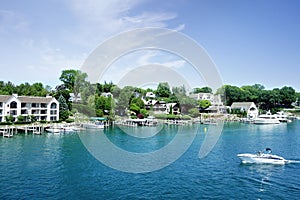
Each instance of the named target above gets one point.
<point>263,174</point>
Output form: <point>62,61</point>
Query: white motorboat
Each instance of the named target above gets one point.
<point>94,125</point>
<point>282,117</point>
<point>262,158</point>
<point>67,130</point>
<point>53,130</point>
<point>267,118</point>
<point>60,130</point>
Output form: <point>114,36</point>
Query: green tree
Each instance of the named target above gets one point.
<point>21,118</point>
<point>9,118</point>
<point>124,99</point>
<point>179,90</point>
<point>163,90</point>
<point>80,83</point>
<point>202,90</point>
<point>135,108</point>
<point>287,96</point>
<point>63,108</point>
<point>139,102</point>
<point>116,91</point>
<point>203,104</point>
<point>232,94</point>
<point>68,78</point>
<point>194,112</point>
<point>186,103</point>
<point>144,112</point>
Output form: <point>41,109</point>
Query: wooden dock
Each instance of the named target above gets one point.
<point>10,131</point>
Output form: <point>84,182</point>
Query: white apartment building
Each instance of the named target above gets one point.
<point>41,108</point>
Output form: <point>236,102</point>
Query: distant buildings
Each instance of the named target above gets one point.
<point>161,107</point>
<point>248,107</point>
<point>41,108</point>
<point>107,94</point>
<point>150,95</point>
<point>216,106</point>
<point>75,98</point>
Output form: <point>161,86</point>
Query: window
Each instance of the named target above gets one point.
<point>53,112</point>
<point>13,112</point>
<point>24,112</point>
<point>53,106</point>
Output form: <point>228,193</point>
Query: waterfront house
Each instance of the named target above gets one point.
<point>249,107</point>
<point>173,108</point>
<point>216,106</point>
<point>161,107</point>
<point>41,108</point>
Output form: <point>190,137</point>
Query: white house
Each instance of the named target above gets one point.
<point>217,105</point>
<point>150,95</point>
<point>161,107</point>
<point>107,94</point>
<point>249,107</point>
<point>41,108</point>
<point>215,99</point>
<point>75,99</point>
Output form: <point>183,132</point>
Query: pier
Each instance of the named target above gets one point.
<point>10,131</point>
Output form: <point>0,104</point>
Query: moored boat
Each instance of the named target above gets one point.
<point>94,125</point>
<point>267,118</point>
<point>282,117</point>
<point>56,130</point>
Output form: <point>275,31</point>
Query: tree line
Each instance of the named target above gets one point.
<point>129,99</point>
<point>275,99</point>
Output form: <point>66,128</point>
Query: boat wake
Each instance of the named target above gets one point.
<point>293,161</point>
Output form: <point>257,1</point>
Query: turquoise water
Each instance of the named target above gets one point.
<point>60,167</point>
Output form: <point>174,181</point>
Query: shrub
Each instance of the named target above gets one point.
<point>5,123</point>
<point>20,122</point>
<point>69,120</point>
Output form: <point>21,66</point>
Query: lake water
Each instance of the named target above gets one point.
<point>60,167</point>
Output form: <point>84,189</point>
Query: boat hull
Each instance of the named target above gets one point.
<point>262,159</point>
<point>266,121</point>
<point>94,126</point>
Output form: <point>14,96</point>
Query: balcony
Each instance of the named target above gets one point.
<point>13,112</point>
<point>35,105</point>
<point>24,112</point>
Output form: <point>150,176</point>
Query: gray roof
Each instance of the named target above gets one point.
<point>27,99</point>
<point>4,98</point>
<point>239,105</point>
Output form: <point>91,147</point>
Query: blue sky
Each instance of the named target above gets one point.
<point>249,41</point>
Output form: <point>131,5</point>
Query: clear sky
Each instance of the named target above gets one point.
<point>250,41</point>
